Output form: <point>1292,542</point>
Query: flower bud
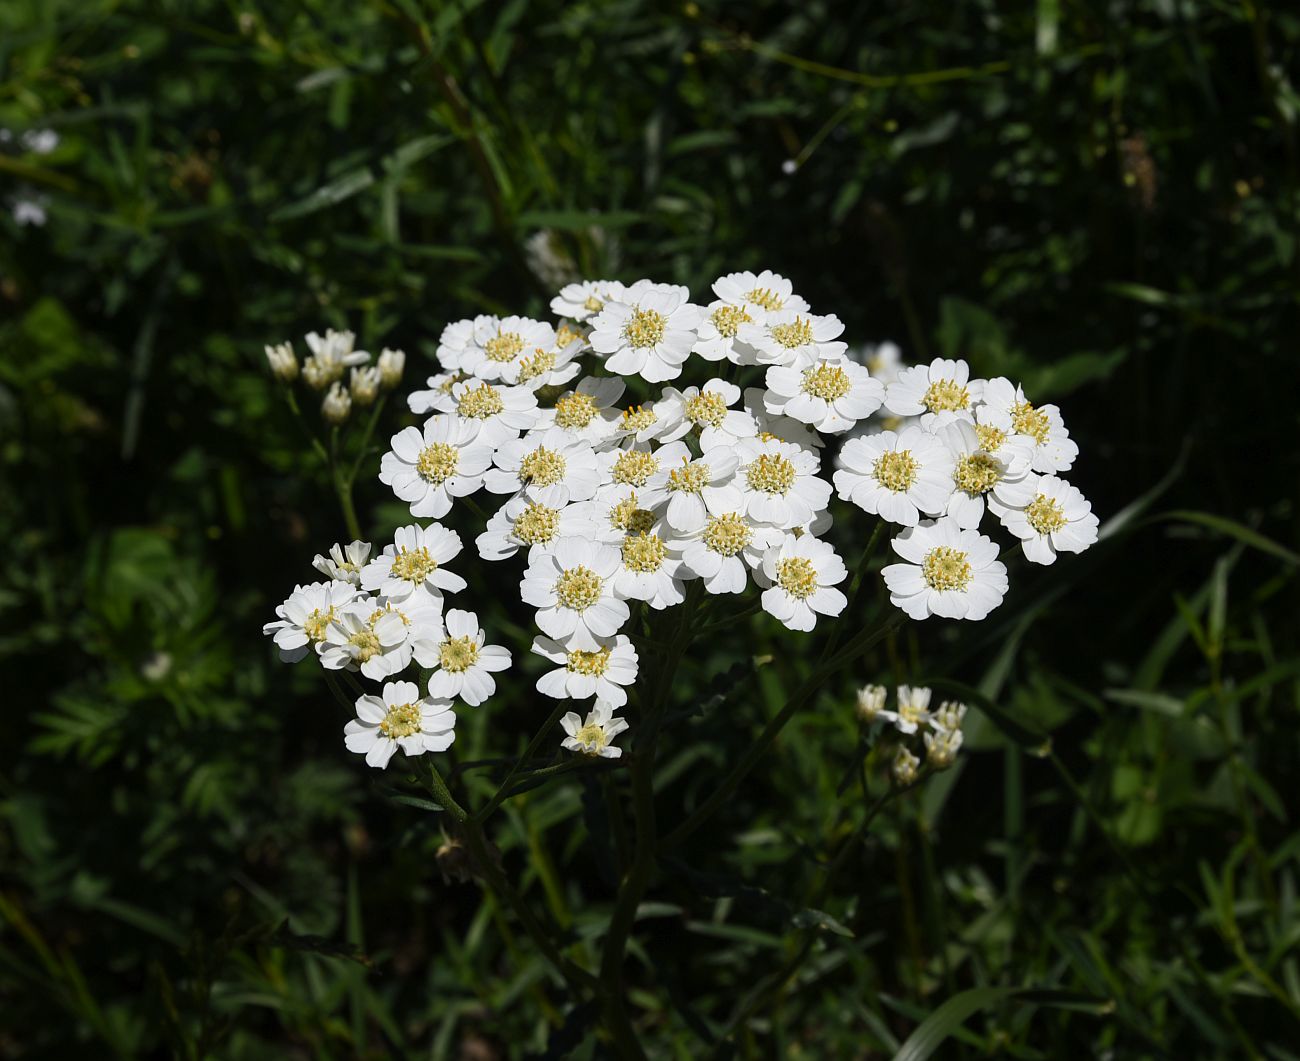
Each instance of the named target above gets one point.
<point>320,372</point>
<point>941,748</point>
<point>365,384</point>
<point>336,405</point>
<point>391,364</point>
<point>284,366</point>
<point>904,767</point>
<point>871,701</point>
<point>949,715</point>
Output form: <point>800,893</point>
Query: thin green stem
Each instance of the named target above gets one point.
<point>503,792</point>
<point>343,488</point>
<point>371,422</point>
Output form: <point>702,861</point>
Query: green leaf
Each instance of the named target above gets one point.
<point>1234,529</point>
<point>327,195</point>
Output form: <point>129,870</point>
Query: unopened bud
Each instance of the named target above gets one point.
<point>320,372</point>
<point>284,366</point>
<point>391,364</point>
<point>941,748</point>
<point>871,701</point>
<point>904,767</point>
<point>365,384</point>
<point>949,715</point>
<point>336,405</point>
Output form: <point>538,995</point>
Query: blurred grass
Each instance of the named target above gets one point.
<point>1102,202</point>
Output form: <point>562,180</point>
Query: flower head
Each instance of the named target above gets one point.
<point>593,735</point>
<point>399,718</point>
<point>947,571</point>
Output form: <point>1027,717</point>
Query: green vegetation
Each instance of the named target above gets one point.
<point>1099,201</point>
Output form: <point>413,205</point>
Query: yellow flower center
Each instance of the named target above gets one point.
<point>637,418</point>
<point>765,297</point>
<point>896,470</point>
<point>727,534</point>
<point>945,394</point>
<point>480,402</point>
<point>592,738</point>
<point>564,335</point>
<point>643,552</point>
<point>316,623</point>
<point>573,412</point>
<point>728,319</point>
<point>990,438</point>
<point>437,463</point>
<point>706,409</point>
<point>504,346</point>
<point>826,382</point>
<point>543,467</point>
<point>458,654</point>
<point>645,327</point>
<point>592,663</point>
<point>1026,420</point>
<point>977,473</point>
<point>795,334</point>
<point>797,576</point>
<point>402,720</point>
<point>451,381</point>
<point>532,367</point>
<point>946,568</point>
<point>634,467</point>
<point>367,644</point>
<point>536,524</point>
<point>578,588</point>
<point>593,304</point>
<point>413,565</point>
<point>1045,514</point>
<point>771,473</point>
<point>628,516</point>
<point>690,478</point>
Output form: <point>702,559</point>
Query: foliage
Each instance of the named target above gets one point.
<point>1101,200</point>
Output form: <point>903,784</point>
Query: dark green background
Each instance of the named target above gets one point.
<point>1099,200</point>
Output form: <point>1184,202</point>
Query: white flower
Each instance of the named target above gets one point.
<point>897,476</point>
<point>706,408</point>
<point>438,397</point>
<point>584,300</point>
<point>400,718</point>
<point>284,366</point>
<point>904,767</point>
<point>498,344</point>
<point>549,466</point>
<point>637,468</point>
<point>725,549</point>
<point>364,384</point>
<point>949,716</point>
<point>464,662</point>
<point>780,427</point>
<point>913,709</point>
<point>502,412</point>
<point>573,590</point>
<point>786,335</point>
<point>336,347</point>
<point>696,488</point>
<point>871,702</point>
<point>647,331</point>
<point>336,406</point>
<point>455,339</point>
<point>617,510</point>
<point>939,392</point>
<point>414,563</point>
<point>883,360</point>
<point>1053,517</point>
<point>522,523</point>
<point>1054,450</point>
<point>650,567</point>
<point>639,423</point>
<point>375,641</point>
<point>831,394</point>
<point>779,483</point>
<point>429,468</point>
<point>549,366</point>
<point>306,615</point>
<point>948,571</point>
<point>40,141</point>
<point>978,474</point>
<point>751,297</point>
<point>390,366</point>
<point>602,672</point>
<point>29,210</point>
<point>594,736</point>
<point>586,411</point>
<point>344,562</point>
<point>801,573</point>
<point>941,747</point>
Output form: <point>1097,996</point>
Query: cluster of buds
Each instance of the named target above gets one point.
<point>940,729</point>
<point>325,367</point>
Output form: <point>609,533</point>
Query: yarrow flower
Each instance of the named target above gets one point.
<point>463,663</point>
<point>593,735</point>
<point>801,573</point>
<point>399,718</point>
<point>648,330</point>
<point>602,672</point>
<point>947,571</point>
<point>414,563</point>
<point>344,562</point>
<point>429,468</point>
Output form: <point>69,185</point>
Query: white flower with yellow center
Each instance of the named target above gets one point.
<point>572,588</point>
<point>941,747</point>
<point>399,718</point>
<point>593,735</point>
<point>601,672</point>
<point>377,647</point>
<point>648,331</point>
<point>1053,449</point>
<point>305,617</point>
<point>583,300</point>
<point>650,567</point>
<point>522,523</point>
<point>334,352</point>
<point>429,467</point>
<point>981,476</point>
<point>437,398</point>
<point>779,483</point>
<point>1053,517</point>
<point>499,344</point>
<point>883,360</point>
<point>871,703</point>
<point>705,409</point>
<point>947,571</point>
<point>801,574</point>
<point>725,549</point>
<point>549,367</point>
<point>695,487</point>
<point>549,465</point>
<point>780,427</point>
<point>415,563</point>
<point>897,476</point>
<point>787,336</point>
<point>618,509</point>
<point>905,767</point>
<point>344,562</point>
<point>463,663</point>
<point>938,393</point>
<point>743,298</point>
<point>456,338</point>
<point>639,424</point>
<point>421,618</point>
<point>830,393</point>
<point>502,412</point>
<point>913,709</point>
<point>719,332</point>
<point>588,411</point>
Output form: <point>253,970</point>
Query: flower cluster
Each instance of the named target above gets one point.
<point>331,357</point>
<point>940,729</point>
<point>622,483</point>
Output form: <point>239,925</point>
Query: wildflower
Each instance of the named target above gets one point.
<point>941,747</point>
<point>871,702</point>
<point>399,718</point>
<point>647,331</point>
<point>949,716</point>
<point>783,428</point>
<point>594,735</point>
<point>786,336</point>
<point>502,412</point>
<point>414,564</point>
<point>336,405</point>
<point>938,393</point>
<point>583,300</point>
<point>706,409</point>
<point>547,465</point>
<point>602,672</point>
<point>454,340</point>
<point>344,562</point>
<point>650,566</point>
<point>726,549</point>
<point>1042,426</point>
<point>801,573</point>
<point>364,384</point>
<point>378,646</point>
<point>695,488</point>
<point>779,483</point>
<point>523,523</point>
<point>904,768</point>
<point>331,355</point>
<point>464,662</point>
<point>305,616</point>
<point>438,397</point>
<point>913,709</point>
<point>947,571</point>
<point>830,393</point>
<point>898,476</point>
<point>284,366</point>
<point>572,588</point>
<point>429,468</point>
<point>390,366</point>
<point>1050,516</point>
<point>586,412</point>
<point>498,345</point>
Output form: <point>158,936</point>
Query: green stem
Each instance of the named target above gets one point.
<point>371,423</point>
<point>343,488</point>
<point>503,792</point>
